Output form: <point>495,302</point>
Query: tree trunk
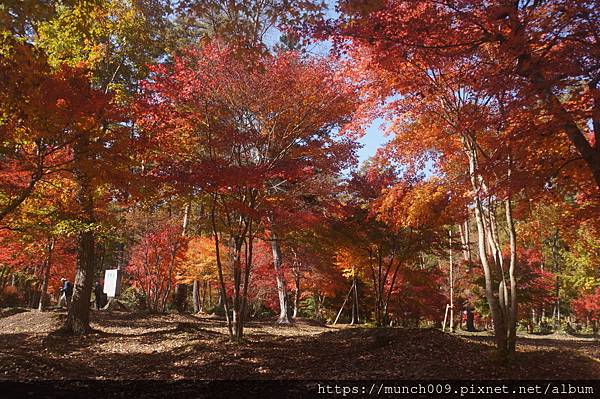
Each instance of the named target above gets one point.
<point>223,292</point>
<point>513,311</point>
<point>196,296</point>
<point>377,277</point>
<point>528,66</point>
<point>78,318</point>
<point>497,317</point>
<point>317,299</point>
<point>589,153</point>
<point>355,318</point>
<point>353,307</point>
<point>209,294</point>
<point>465,238</point>
<point>202,302</point>
<point>470,319</point>
<point>181,290</point>
<point>236,259</point>
<point>451,266</point>
<point>181,293</point>
<point>498,320</point>
<point>48,264</point>
<point>248,268</point>
<point>297,296</point>
<point>281,286</point>
<point>356,302</point>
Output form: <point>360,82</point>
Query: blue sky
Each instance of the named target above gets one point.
<point>371,141</point>
<point>374,137</point>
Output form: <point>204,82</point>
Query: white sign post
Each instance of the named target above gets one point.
<point>112,283</point>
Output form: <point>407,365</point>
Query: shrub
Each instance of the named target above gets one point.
<point>217,310</point>
<point>260,311</point>
<point>10,297</point>
<point>133,298</point>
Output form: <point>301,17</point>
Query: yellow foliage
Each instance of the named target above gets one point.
<point>416,206</point>
<point>199,263</point>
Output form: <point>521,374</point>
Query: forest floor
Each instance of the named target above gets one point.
<point>141,346</point>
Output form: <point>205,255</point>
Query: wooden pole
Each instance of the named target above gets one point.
<point>445,318</point>
<point>343,304</point>
<point>356,301</point>
<point>451,287</point>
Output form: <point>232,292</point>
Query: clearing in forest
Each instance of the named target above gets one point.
<point>173,346</point>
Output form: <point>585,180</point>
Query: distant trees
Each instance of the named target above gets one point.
<point>153,265</point>
<point>587,309</point>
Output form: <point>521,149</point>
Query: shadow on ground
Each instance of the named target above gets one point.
<point>140,346</point>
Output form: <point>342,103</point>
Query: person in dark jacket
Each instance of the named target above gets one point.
<point>98,292</point>
<point>66,292</point>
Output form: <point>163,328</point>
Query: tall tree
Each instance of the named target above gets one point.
<point>254,132</point>
<point>539,51</point>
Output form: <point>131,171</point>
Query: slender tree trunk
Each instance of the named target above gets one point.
<point>556,314</point>
<point>512,301</point>
<point>499,322</point>
<point>497,317</point>
<point>353,312</point>
<point>209,296</point>
<point>223,292</point>
<point>470,319</point>
<point>297,295</point>
<point>202,301</point>
<point>468,237</point>
<point>196,296</point>
<point>513,313</point>
<point>375,286</point>
<point>181,290</point>
<point>181,294</point>
<point>451,286</point>
<point>281,286</point>
<point>391,288</point>
<point>248,269</point>
<point>318,302</point>
<point>465,238</point>
<point>236,260</point>
<point>47,266</point>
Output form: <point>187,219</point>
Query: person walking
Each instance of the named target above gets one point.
<point>99,293</point>
<point>66,292</point>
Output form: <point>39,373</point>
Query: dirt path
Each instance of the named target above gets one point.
<point>137,346</point>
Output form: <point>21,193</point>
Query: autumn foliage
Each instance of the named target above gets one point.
<point>587,307</point>
<point>153,265</point>
<point>192,147</point>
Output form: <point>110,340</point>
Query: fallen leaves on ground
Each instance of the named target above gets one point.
<point>172,346</point>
